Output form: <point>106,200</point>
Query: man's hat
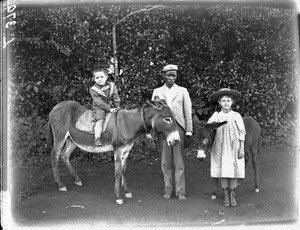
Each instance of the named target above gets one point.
<point>170,68</point>
<point>225,91</point>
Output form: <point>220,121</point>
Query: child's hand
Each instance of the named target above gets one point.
<point>241,153</point>
<point>113,110</point>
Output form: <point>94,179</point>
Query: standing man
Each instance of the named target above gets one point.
<point>179,101</point>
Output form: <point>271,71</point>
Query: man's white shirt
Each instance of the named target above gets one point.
<point>169,95</point>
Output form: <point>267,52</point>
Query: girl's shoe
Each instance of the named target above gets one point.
<point>232,199</point>
<point>226,197</point>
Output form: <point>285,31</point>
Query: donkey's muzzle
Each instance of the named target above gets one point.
<point>173,138</point>
<point>201,155</point>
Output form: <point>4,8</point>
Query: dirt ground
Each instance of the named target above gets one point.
<point>93,204</point>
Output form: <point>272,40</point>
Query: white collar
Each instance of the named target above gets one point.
<point>169,89</point>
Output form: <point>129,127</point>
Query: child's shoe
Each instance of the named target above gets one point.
<point>98,141</point>
<point>232,199</point>
<point>226,197</point>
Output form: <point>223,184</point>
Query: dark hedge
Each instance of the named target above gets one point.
<point>248,48</point>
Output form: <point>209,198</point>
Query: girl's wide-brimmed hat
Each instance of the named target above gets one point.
<point>225,91</point>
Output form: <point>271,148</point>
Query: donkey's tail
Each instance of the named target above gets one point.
<point>259,145</point>
<point>50,136</point>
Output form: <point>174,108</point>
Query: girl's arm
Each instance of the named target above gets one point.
<point>240,126</point>
<point>213,118</point>
<point>242,133</point>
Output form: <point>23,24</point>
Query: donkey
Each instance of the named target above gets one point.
<point>123,129</point>
<point>205,134</point>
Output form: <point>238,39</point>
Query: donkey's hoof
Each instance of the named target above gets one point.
<point>128,195</point>
<point>79,183</point>
<point>256,189</point>
<point>119,201</point>
<point>63,189</point>
<point>214,196</point>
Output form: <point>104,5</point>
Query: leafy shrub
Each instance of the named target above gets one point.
<point>81,156</point>
<point>28,140</point>
<point>250,48</point>
<point>285,130</point>
<point>142,148</point>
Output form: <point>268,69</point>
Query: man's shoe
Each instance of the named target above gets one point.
<point>98,141</point>
<point>167,196</point>
<point>181,197</point>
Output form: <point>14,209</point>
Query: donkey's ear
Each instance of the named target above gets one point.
<point>215,125</point>
<point>155,104</point>
<point>163,101</point>
<point>151,103</point>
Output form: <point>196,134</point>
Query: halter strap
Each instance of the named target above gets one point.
<point>143,120</point>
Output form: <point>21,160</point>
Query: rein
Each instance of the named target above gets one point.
<point>142,115</point>
<point>212,135</point>
<point>116,123</point>
<point>143,120</point>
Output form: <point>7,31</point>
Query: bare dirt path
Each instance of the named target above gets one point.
<point>93,204</point>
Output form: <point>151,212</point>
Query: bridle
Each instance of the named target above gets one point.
<point>147,130</point>
<point>212,136</point>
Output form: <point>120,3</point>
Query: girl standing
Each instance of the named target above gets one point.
<point>227,152</point>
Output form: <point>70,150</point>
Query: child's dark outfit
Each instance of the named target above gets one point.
<point>104,98</point>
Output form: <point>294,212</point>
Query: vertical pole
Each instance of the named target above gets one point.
<point>115,53</point>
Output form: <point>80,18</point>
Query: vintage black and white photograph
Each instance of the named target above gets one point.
<point>149,114</point>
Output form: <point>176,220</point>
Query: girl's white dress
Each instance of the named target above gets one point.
<point>224,152</point>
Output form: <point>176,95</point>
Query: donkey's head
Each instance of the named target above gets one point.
<point>204,135</point>
<point>161,118</point>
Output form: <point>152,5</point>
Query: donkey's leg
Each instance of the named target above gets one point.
<point>56,151</point>
<point>214,195</point>
<point>254,151</point>
<point>125,154</point>
<point>247,156</point>
<point>118,175</point>
<point>65,156</point>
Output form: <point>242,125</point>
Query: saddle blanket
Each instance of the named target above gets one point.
<point>86,122</point>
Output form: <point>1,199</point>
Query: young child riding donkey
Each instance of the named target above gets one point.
<point>105,96</point>
<point>71,124</point>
